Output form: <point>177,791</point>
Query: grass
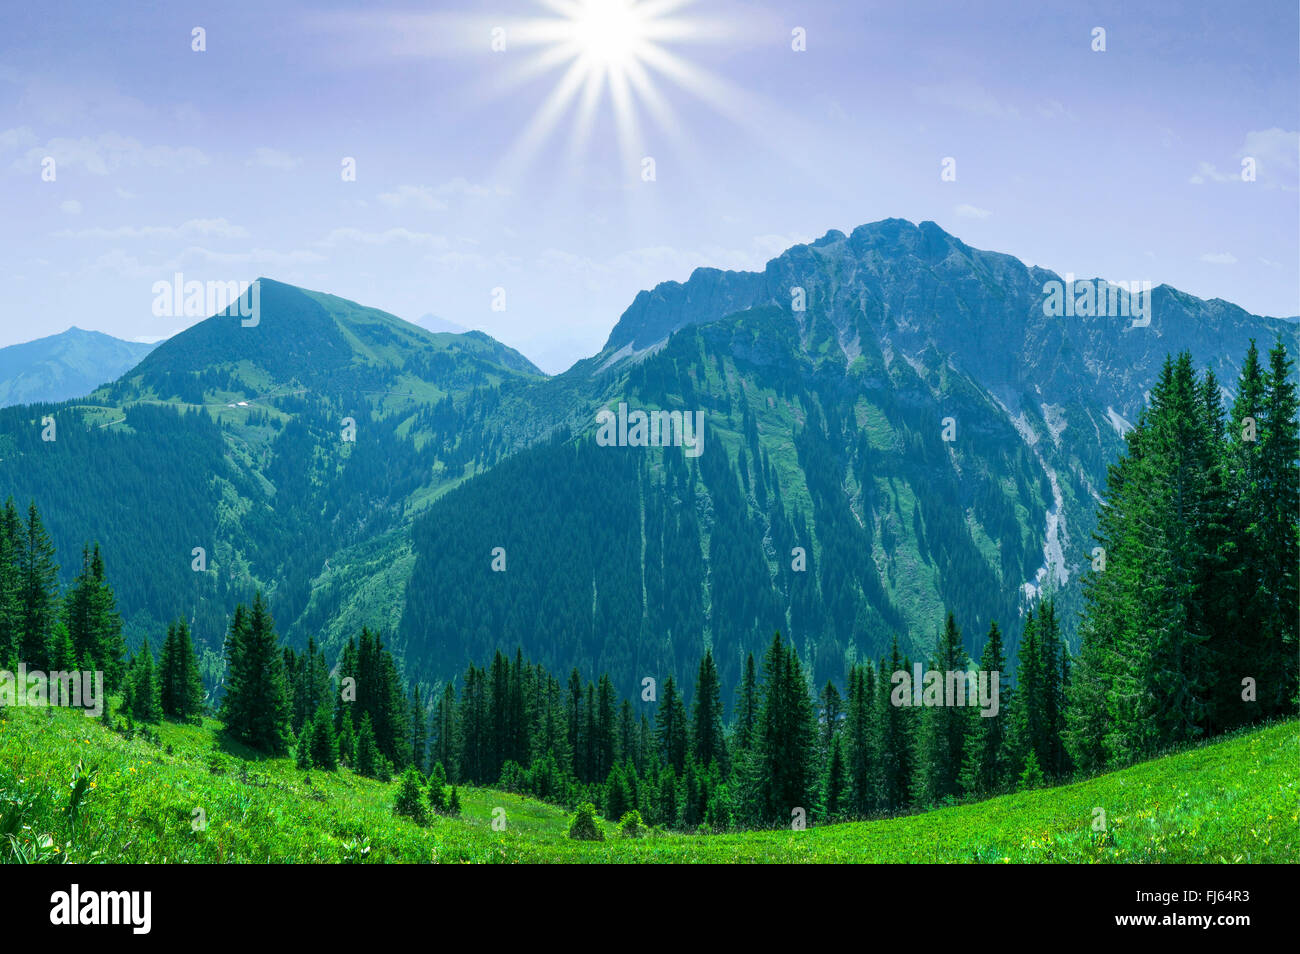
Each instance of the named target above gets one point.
<point>71,790</point>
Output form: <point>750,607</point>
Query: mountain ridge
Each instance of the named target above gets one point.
<point>64,365</point>
<point>824,429</point>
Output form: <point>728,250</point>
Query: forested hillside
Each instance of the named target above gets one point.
<point>910,433</point>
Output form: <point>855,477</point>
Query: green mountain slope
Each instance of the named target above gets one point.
<point>826,429</point>
<point>1230,801</point>
<point>293,453</point>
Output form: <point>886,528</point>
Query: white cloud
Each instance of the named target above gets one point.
<point>1219,258</point>
<point>70,207</point>
<point>20,137</point>
<point>256,256</point>
<point>342,235</point>
<point>194,228</point>
<point>1275,154</point>
<point>432,198</point>
<point>109,152</point>
<point>416,197</point>
<point>971,212</point>
<point>273,159</point>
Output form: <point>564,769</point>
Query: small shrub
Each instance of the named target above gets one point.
<point>585,827</point>
<point>630,826</point>
<point>410,800</point>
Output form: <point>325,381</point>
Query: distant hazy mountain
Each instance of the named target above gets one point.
<point>64,366</point>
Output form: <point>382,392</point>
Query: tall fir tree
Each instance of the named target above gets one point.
<point>708,743</point>
<point>39,592</point>
<point>180,686</point>
<point>256,707</point>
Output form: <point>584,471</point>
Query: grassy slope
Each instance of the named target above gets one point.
<point>1234,800</point>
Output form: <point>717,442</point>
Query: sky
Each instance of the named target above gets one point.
<point>500,149</point>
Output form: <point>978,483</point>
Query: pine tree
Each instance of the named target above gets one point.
<point>419,728</point>
<point>942,737</point>
<point>107,645</point>
<point>446,740</point>
<point>986,766</point>
<point>747,706</point>
<point>38,592</point>
<point>897,730</point>
<point>409,802</point>
<point>347,740</point>
<point>11,603</point>
<point>180,687</point>
<point>324,743</point>
<point>367,758</point>
<point>708,743</point>
<point>1032,775</point>
<point>256,707</point>
<point>145,706</point>
<point>63,654</point>
<point>1280,531</point>
<point>1150,637</point>
<point>617,801</point>
<point>836,784</point>
<point>438,789</point>
<point>605,741</point>
<point>670,727</point>
<point>785,745</point>
<point>860,733</point>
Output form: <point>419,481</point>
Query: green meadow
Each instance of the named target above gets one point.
<point>71,790</point>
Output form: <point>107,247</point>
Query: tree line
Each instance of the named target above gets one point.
<point>1188,630</point>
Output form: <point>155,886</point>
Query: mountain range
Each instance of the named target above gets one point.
<point>893,427</point>
<point>63,366</point>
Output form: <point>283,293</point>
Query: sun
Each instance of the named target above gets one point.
<point>611,55</point>
<point>609,32</point>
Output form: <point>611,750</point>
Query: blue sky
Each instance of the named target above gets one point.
<point>225,164</point>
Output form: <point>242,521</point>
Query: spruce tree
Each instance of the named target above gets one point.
<point>38,592</point>
<point>324,743</point>
<point>367,757</point>
<point>419,728</point>
<point>409,802</point>
<point>438,789</point>
<point>785,737</point>
<point>670,727</point>
<point>896,727</point>
<point>836,785</point>
<point>1279,454</point>
<point>256,708</point>
<point>986,766</point>
<point>747,706</point>
<point>11,542</point>
<point>942,737</point>
<point>180,687</point>
<point>706,735</point>
<point>145,705</point>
